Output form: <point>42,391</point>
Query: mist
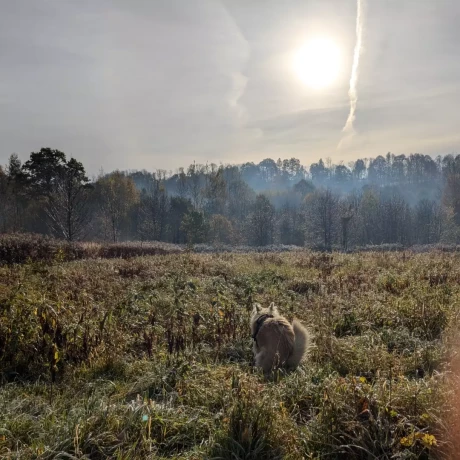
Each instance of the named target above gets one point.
<point>393,199</point>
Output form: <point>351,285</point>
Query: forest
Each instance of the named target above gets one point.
<point>392,199</point>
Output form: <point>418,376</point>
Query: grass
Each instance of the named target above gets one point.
<point>150,357</point>
<point>19,248</point>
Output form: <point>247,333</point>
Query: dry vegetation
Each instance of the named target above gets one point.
<point>19,248</point>
<point>150,357</point>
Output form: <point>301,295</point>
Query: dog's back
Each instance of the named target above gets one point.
<point>274,344</point>
<point>277,343</point>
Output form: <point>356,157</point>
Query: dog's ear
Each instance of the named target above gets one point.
<point>256,308</point>
<point>272,308</point>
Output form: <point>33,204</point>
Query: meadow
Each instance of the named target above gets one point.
<point>150,357</point>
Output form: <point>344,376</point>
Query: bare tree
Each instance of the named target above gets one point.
<point>117,195</point>
<point>153,210</point>
<point>427,222</point>
<point>322,217</point>
<point>195,184</point>
<point>182,183</point>
<point>395,219</point>
<point>347,215</point>
<point>262,221</point>
<point>240,198</point>
<point>451,195</point>
<point>216,192</point>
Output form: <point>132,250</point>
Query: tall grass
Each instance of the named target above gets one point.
<point>22,248</point>
<point>150,357</point>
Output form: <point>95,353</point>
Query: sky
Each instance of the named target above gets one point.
<point>163,83</point>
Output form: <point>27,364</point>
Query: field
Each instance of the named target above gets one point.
<point>150,357</point>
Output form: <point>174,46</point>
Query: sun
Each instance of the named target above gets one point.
<point>317,63</point>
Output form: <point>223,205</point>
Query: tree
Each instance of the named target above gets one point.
<point>261,222</point>
<point>451,201</point>
<point>3,201</point>
<point>178,208</point>
<point>67,201</point>
<point>291,227</point>
<point>395,219</point>
<point>195,184</point>
<point>303,188</point>
<point>182,183</point>
<point>377,171</point>
<point>14,168</point>
<point>398,168</point>
<point>421,168</point>
<point>359,169</point>
<point>43,168</point>
<point>319,173</point>
<point>388,194</point>
<point>321,216</point>
<point>13,195</point>
<point>221,230</point>
<point>345,218</point>
<point>62,187</point>
<point>195,228</point>
<point>240,199</point>
<point>450,233</point>
<point>368,219</point>
<point>342,173</point>
<point>117,195</point>
<point>268,169</point>
<point>427,222</point>
<point>216,192</point>
<point>153,210</point>
<point>451,195</point>
<point>250,173</point>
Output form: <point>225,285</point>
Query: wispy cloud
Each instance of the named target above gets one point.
<point>348,129</point>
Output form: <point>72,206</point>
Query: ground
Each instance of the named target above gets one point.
<point>151,357</point>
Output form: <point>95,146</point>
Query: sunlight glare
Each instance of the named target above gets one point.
<point>317,63</point>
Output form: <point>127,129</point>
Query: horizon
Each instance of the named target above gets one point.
<point>327,161</point>
<point>158,86</point>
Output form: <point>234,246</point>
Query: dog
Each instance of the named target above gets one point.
<point>278,344</point>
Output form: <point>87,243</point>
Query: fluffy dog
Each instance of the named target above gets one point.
<point>277,343</point>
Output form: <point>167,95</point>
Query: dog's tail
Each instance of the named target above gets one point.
<point>302,343</point>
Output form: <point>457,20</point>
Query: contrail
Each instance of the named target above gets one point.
<point>352,92</point>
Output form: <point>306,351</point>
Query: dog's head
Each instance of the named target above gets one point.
<point>258,311</point>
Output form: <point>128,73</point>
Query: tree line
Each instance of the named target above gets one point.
<point>389,199</point>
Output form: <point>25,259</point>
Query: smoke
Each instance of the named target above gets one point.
<point>352,92</point>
